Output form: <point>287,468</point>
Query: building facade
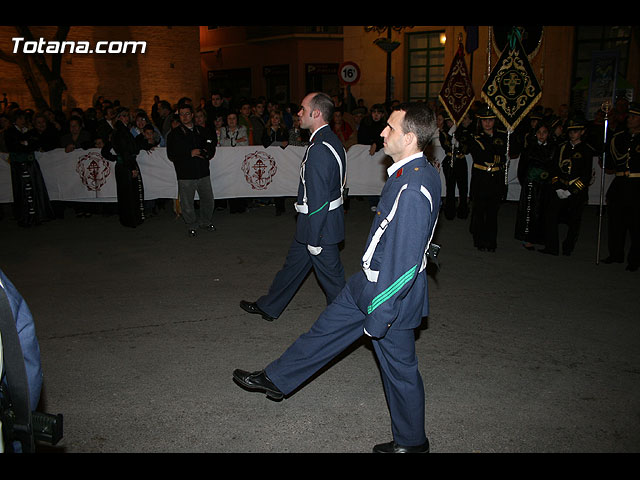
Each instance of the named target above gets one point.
<point>283,63</point>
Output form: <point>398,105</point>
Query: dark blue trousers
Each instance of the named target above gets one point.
<point>298,264</point>
<point>342,323</point>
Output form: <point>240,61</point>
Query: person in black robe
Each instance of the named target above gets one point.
<point>31,205</point>
<point>128,178</point>
<point>533,175</point>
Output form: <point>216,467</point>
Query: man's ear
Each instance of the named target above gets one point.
<point>409,138</point>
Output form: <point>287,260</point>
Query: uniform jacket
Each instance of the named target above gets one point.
<point>27,338</point>
<point>322,177</point>
<point>624,158</point>
<point>399,296</point>
<point>488,151</point>
<point>624,153</point>
<point>572,167</point>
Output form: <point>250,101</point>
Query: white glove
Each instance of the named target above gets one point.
<point>563,194</point>
<point>314,250</point>
<point>453,129</point>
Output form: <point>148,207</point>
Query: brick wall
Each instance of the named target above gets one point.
<point>169,68</point>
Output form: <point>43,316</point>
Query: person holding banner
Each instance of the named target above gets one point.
<point>385,300</point>
<point>320,221</point>
<point>455,167</point>
<point>623,196</point>
<point>489,152</point>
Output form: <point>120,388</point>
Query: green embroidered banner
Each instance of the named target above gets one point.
<point>512,89</point>
<point>457,93</point>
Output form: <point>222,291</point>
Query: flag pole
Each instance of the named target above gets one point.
<point>606,106</point>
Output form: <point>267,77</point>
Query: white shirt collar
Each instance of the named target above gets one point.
<point>314,133</point>
<point>396,166</point>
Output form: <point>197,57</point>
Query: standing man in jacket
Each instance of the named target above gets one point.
<point>190,147</point>
<point>320,222</point>
<point>388,298</point>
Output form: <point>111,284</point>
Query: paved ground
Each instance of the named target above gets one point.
<point>140,330</point>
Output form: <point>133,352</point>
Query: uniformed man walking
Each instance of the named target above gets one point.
<point>623,196</point>
<point>320,222</point>
<point>387,298</point>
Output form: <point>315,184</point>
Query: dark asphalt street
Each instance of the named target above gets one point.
<point>140,330</point>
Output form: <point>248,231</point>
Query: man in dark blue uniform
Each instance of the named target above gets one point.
<point>388,298</point>
<point>570,174</point>
<point>320,222</point>
<point>487,188</point>
<point>623,196</point>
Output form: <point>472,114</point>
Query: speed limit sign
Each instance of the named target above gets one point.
<point>349,73</point>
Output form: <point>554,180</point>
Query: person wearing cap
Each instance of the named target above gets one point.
<point>623,195</point>
<point>526,131</point>
<point>453,141</point>
<point>556,130</point>
<point>488,148</point>
<point>570,177</point>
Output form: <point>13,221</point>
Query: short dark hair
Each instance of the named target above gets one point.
<point>322,101</point>
<point>420,120</point>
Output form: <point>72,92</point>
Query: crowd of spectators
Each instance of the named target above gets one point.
<point>241,121</point>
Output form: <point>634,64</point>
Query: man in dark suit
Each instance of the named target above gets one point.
<point>320,222</point>
<point>388,298</point>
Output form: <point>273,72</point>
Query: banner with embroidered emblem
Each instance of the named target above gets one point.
<point>457,93</point>
<point>512,89</point>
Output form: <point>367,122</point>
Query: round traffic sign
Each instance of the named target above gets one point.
<point>349,72</point>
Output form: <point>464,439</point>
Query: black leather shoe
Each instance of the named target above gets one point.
<point>632,268</point>
<point>258,381</point>
<point>252,307</point>
<point>548,252</point>
<point>393,447</point>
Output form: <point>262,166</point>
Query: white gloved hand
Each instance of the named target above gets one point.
<point>453,129</point>
<point>563,194</point>
<point>314,250</point>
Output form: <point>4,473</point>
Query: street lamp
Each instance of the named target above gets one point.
<point>388,46</point>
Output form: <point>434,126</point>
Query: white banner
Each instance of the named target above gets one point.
<point>253,171</point>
